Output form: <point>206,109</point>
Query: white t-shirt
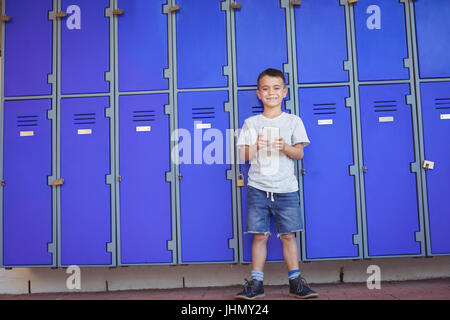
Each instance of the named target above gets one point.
<point>293,131</point>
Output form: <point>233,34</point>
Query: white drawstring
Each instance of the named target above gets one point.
<point>271,196</point>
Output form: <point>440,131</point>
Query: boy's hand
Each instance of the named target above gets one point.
<point>279,144</point>
<point>261,142</point>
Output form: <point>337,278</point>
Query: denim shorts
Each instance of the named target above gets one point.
<point>283,207</point>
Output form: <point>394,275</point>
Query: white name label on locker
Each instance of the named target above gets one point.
<point>203,126</point>
<point>325,121</point>
<point>143,129</point>
<point>26,133</point>
<point>386,119</point>
<point>84,131</point>
<point>445,116</point>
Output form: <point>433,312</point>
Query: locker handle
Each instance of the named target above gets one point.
<point>118,12</point>
<point>303,172</point>
<point>2,183</point>
<point>428,165</point>
<point>296,3</point>
<point>235,5</point>
<point>174,9</point>
<point>364,169</point>
<point>61,14</point>
<point>5,18</point>
<point>352,1</point>
<point>58,182</point>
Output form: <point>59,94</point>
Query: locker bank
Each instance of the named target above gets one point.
<point>119,120</point>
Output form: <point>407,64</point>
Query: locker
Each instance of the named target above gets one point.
<point>206,213</point>
<point>392,213</point>
<point>433,37</point>
<point>142,45</point>
<point>27,197</point>
<point>436,129</point>
<point>320,61</point>
<point>329,190</point>
<point>84,47</point>
<point>381,45</point>
<point>145,206</point>
<point>85,222</point>
<point>201,44</point>
<point>259,44</point>
<point>250,105</point>
<point>28,38</point>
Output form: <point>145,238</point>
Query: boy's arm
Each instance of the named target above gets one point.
<point>294,152</point>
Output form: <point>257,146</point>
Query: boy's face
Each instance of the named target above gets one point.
<point>271,91</point>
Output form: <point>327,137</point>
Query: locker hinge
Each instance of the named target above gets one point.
<point>357,239</point>
<point>2,183</point>
<point>51,248</point>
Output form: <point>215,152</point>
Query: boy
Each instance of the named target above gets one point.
<point>274,193</point>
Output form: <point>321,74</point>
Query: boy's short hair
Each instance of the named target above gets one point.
<point>272,73</point>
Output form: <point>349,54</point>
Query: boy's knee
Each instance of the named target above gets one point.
<point>260,237</point>
<point>288,237</point>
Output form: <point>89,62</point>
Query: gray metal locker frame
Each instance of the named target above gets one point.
<point>228,71</point>
<point>350,103</point>
<point>109,113</point>
<point>415,90</point>
<point>415,167</point>
<point>170,111</point>
<point>51,115</point>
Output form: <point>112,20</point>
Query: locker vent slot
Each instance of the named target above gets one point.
<point>143,115</point>
<point>203,113</point>
<point>84,118</point>
<point>442,103</point>
<point>257,109</point>
<point>27,121</point>
<point>385,105</point>
<point>324,108</point>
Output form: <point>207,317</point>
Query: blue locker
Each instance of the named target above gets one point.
<point>433,37</point>
<point>201,44</point>
<point>328,188</point>
<point>85,221</point>
<point>205,194</point>
<point>381,42</point>
<point>436,130</point>
<point>28,40</point>
<point>260,39</point>
<point>84,47</point>
<point>320,61</point>
<point>142,45</point>
<point>145,206</point>
<point>392,214</point>
<point>250,105</point>
<point>27,198</point>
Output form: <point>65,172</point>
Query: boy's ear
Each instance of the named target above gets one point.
<point>285,91</point>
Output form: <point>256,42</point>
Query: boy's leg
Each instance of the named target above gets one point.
<point>290,252</point>
<point>259,251</point>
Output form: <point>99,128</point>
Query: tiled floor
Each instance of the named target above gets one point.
<point>436,289</point>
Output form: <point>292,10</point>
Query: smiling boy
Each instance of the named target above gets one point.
<point>274,194</point>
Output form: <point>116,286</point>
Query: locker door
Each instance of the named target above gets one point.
<point>145,206</point>
<point>206,211</point>
<point>250,105</point>
<point>85,197</point>
<point>28,39</point>
<point>392,216</point>
<point>27,197</point>
<point>260,39</point>
<point>436,129</point>
<point>380,40</point>
<point>84,47</point>
<point>433,37</point>
<point>201,44</point>
<point>320,61</point>
<point>329,190</point>
<point>142,45</point>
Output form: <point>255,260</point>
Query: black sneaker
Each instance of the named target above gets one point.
<point>299,288</point>
<point>252,290</point>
